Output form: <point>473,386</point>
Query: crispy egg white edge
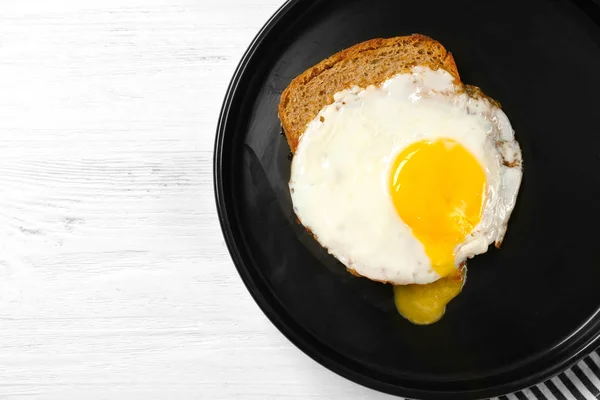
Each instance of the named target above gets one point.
<point>502,167</point>
<point>502,186</point>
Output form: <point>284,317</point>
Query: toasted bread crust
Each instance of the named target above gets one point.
<point>367,63</point>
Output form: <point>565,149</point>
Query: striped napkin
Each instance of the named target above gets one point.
<point>581,382</point>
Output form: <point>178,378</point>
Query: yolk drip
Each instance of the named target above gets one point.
<point>437,189</point>
<point>426,304</point>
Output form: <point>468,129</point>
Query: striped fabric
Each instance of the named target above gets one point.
<point>581,382</point>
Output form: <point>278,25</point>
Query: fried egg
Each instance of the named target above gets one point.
<point>404,181</point>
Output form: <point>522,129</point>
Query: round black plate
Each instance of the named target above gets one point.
<point>528,310</point>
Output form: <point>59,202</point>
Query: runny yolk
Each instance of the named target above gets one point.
<point>426,304</point>
<point>437,189</point>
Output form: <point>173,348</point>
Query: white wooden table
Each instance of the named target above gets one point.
<point>115,282</point>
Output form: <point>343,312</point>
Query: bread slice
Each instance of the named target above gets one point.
<point>367,63</point>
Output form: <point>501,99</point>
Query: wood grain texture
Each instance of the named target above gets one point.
<point>115,282</point>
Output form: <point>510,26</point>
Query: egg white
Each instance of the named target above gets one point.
<point>341,169</point>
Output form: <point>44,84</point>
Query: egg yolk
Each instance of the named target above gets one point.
<point>437,189</point>
<point>426,304</point>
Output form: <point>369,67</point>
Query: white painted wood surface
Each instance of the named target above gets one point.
<point>115,282</point>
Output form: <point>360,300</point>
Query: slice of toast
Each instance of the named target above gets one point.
<point>367,63</point>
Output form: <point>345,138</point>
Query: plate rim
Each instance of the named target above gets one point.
<point>577,351</point>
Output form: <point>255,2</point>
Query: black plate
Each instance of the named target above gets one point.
<point>528,310</point>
